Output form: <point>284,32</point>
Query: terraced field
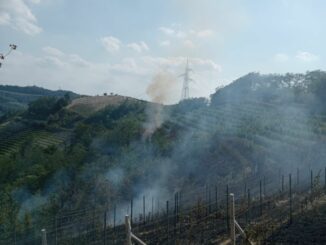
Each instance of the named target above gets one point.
<point>45,139</point>
<point>10,144</point>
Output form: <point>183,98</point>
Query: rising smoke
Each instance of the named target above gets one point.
<point>160,91</point>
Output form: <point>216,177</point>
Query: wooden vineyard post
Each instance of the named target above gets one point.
<point>130,235</point>
<point>94,225</point>
<point>131,210</point>
<point>167,217</point>
<point>104,228</point>
<point>180,219</point>
<point>44,241</point>
<point>235,225</point>
<point>175,213</point>
<point>216,205</point>
<point>206,200</point>
<point>325,180</point>
<point>15,234</point>
<point>311,181</point>
<point>279,177</point>
<point>180,201</point>
<point>298,178</point>
<point>245,191</point>
<point>144,210</point>
<point>177,206</point>
<point>290,197</point>
<point>158,208</point>
<point>209,200</point>
<point>232,219</point>
<point>175,209</point>
<point>128,229</point>
<point>260,198</point>
<point>114,216</point>
<point>198,208</point>
<point>248,212</point>
<point>264,185</point>
<point>227,208</point>
<point>56,229</point>
<point>216,202</point>
<point>152,216</point>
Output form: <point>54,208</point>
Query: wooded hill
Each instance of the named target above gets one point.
<point>15,99</point>
<point>56,159</point>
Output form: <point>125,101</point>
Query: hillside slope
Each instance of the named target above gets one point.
<point>102,151</point>
<point>15,98</point>
<point>88,105</point>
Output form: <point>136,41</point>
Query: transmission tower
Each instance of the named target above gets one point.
<point>186,81</point>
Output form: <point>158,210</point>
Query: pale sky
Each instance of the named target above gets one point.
<point>118,46</point>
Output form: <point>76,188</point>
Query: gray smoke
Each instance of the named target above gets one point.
<point>160,92</point>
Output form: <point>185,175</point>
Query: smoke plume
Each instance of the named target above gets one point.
<point>161,87</point>
<point>160,92</point>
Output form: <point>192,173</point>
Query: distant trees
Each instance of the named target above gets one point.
<point>190,105</point>
<point>43,107</point>
<point>34,90</point>
<point>126,130</point>
<point>83,134</point>
<point>306,89</point>
<point>318,86</point>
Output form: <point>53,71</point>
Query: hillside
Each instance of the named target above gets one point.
<point>62,157</point>
<point>305,89</point>
<point>88,105</point>
<point>15,98</point>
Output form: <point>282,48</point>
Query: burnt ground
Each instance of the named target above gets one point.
<point>307,227</point>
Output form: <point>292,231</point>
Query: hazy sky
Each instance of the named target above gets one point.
<point>118,46</point>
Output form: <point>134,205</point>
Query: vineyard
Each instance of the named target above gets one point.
<point>265,204</point>
<point>10,143</point>
<point>198,217</point>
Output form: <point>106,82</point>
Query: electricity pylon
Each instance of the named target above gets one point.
<point>186,81</point>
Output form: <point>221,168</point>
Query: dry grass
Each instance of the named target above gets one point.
<point>88,105</point>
